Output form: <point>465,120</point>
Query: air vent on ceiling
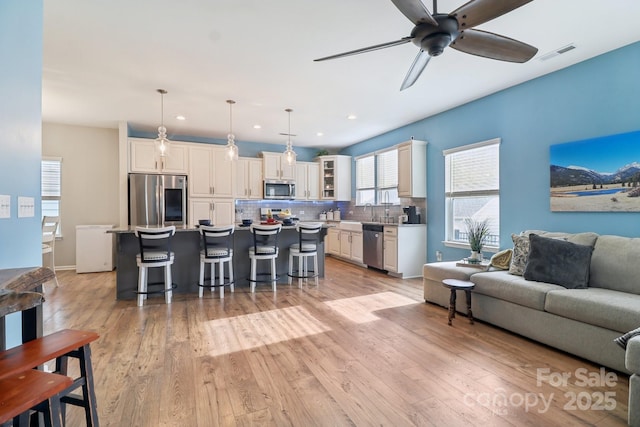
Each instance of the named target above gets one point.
<point>556,52</point>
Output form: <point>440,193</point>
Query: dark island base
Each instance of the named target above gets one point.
<point>186,267</point>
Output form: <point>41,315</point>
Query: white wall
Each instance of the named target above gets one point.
<point>89,180</point>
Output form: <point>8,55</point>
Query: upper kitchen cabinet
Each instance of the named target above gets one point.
<point>307,181</point>
<point>335,173</point>
<point>144,158</point>
<point>248,178</point>
<point>275,166</point>
<point>210,171</point>
<point>412,169</point>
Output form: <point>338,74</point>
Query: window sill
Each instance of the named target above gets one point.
<point>460,245</point>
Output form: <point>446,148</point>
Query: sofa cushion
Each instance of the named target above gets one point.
<point>509,287</point>
<point>438,271</point>
<point>615,264</point>
<point>632,356</point>
<point>614,310</point>
<point>623,340</point>
<point>587,238</point>
<point>558,261</point>
<point>520,254</point>
<point>502,259</point>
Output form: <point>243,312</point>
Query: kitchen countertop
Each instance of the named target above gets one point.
<point>180,228</point>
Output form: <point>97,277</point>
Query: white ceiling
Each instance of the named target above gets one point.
<point>104,60</point>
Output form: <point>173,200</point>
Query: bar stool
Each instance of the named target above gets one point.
<point>265,246</point>
<point>155,251</point>
<point>307,246</point>
<point>217,248</point>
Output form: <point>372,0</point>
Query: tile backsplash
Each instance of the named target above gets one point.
<point>311,210</point>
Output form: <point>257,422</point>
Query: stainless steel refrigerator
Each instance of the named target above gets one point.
<point>157,200</point>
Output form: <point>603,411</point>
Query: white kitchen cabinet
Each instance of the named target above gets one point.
<point>143,157</point>
<point>248,178</point>
<point>218,211</point>
<point>275,167</point>
<point>335,173</point>
<point>405,250</point>
<point>351,245</point>
<point>307,181</point>
<point>332,244</point>
<point>210,172</point>
<point>412,169</point>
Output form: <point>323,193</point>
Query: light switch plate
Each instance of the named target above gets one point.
<point>26,207</point>
<point>5,206</point>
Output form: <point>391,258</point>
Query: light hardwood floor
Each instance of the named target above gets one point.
<point>361,349</point>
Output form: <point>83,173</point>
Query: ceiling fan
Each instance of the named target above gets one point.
<point>434,32</point>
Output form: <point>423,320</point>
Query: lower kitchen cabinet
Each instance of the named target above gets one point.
<point>219,211</point>
<point>345,244</point>
<point>333,242</point>
<point>405,250</point>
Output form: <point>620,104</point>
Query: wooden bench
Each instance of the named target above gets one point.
<point>59,346</point>
<point>32,389</point>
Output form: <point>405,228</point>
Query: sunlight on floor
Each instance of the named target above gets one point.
<point>359,309</point>
<point>257,329</point>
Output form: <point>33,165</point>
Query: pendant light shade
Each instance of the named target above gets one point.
<point>161,142</point>
<point>289,154</point>
<point>232,148</point>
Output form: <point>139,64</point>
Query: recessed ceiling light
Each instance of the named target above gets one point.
<point>181,118</point>
<point>352,117</point>
<point>257,127</point>
<point>319,133</point>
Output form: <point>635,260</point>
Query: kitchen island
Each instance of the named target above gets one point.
<point>185,271</point>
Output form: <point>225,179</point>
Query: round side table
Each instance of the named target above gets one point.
<point>458,285</point>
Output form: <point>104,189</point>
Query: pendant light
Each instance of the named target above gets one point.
<point>232,148</point>
<point>289,154</point>
<point>161,142</point>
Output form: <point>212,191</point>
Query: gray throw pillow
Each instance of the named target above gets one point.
<point>624,339</point>
<point>558,261</point>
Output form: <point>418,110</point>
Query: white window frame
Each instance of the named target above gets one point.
<point>450,197</point>
<point>52,197</point>
<point>379,191</point>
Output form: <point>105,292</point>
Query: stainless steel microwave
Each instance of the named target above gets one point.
<point>279,190</point>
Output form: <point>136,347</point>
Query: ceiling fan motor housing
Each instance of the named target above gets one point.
<point>434,39</point>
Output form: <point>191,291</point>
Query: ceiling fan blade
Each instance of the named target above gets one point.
<point>477,12</point>
<point>366,49</point>
<point>416,11</point>
<point>416,69</point>
<point>494,46</point>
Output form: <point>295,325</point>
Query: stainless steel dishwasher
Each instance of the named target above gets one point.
<point>372,237</point>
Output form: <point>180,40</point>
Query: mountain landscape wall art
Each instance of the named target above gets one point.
<point>596,175</point>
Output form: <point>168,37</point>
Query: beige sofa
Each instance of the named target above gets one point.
<point>583,322</point>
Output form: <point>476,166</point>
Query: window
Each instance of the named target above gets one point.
<point>51,187</point>
<point>366,180</point>
<point>472,190</point>
<point>377,178</point>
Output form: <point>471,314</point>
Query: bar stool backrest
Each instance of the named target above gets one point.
<point>308,236</point>
<point>155,243</point>
<point>265,238</point>
<point>217,242</point>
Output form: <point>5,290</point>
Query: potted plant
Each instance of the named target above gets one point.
<point>477,232</point>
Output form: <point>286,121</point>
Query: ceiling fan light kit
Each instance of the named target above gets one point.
<point>433,33</point>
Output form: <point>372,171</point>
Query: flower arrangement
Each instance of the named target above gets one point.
<point>477,231</point>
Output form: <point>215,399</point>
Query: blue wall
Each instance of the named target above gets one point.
<point>597,97</point>
<point>20,134</point>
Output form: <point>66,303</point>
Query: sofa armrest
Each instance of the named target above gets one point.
<point>632,355</point>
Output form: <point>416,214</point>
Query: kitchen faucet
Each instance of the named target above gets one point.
<point>386,206</point>
<point>373,218</point>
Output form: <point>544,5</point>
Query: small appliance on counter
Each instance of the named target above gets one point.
<point>412,215</point>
